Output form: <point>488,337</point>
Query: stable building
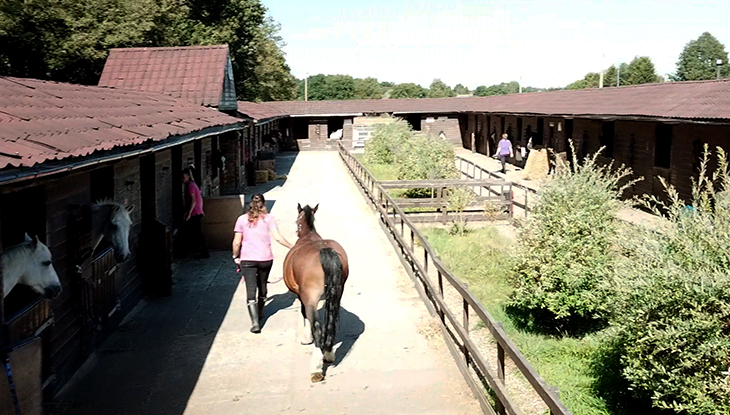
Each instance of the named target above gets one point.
<point>64,147</point>
<point>659,130</point>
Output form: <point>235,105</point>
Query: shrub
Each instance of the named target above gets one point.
<point>672,301</point>
<point>459,199</point>
<point>566,249</point>
<point>386,141</point>
<point>423,158</point>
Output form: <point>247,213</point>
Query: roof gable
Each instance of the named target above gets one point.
<point>200,74</point>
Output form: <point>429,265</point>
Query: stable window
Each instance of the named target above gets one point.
<point>663,146</point>
<point>608,130</point>
<point>101,186</point>
<point>415,121</point>
<point>23,211</point>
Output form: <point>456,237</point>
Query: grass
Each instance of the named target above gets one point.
<point>481,258</point>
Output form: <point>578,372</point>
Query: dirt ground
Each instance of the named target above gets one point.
<point>192,353</point>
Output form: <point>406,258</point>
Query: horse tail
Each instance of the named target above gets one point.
<point>332,267</point>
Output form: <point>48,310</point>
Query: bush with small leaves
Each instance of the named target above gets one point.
<point>671,301</point>
<point>566,249</point>
<point>386,141</point>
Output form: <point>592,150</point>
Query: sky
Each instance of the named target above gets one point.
<point>540,43</point>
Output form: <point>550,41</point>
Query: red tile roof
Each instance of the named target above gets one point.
<point>259,112</point>
<point>193,72</point>
<point>41,120</point>
<point>680,100</point>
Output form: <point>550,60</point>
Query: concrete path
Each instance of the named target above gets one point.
<point>192,353</point>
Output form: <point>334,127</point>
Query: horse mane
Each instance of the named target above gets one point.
<point>109,203</point>
<point>17,250</point>
<point>308,217</point>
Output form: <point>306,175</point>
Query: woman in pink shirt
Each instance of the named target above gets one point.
<point>194,215</point>
<point>252,252</point>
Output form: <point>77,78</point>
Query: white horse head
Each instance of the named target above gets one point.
<point>111,221</point>
<point>31,264</point>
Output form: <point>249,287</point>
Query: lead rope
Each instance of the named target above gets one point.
<point>13,393</point>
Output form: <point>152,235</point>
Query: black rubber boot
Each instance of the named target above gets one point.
<point>261,304</point>
<point>253,312</point>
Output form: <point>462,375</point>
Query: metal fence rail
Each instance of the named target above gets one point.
<point>418,253</point>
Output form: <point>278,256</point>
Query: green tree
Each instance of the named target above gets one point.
<point>69,40</point>
<point>591,80</point>
<point>640,71</point>
<point>480,91</point>
<point>368,88</point>
<point>439,89</point>
<point>408,90</point>
<point>460,89</point>
<point>275,81</point>
<point>699,58</point>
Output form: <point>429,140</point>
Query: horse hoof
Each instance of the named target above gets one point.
<point>317,377</point>
<point>329,357</point>
<point>306,342</point>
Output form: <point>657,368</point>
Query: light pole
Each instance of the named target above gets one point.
<point>306,87</point>
<point>718,64</point>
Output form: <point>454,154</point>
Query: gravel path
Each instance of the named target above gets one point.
<point>192,353</point>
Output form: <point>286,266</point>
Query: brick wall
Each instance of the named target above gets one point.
<point>230,176</point>
<point>165,180</point>
<point>127,192</point>
<point>433,125</point>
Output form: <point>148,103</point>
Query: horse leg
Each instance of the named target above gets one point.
<point>305,329</point>
<point>316,363</point>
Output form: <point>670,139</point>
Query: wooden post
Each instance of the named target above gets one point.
<point>500,371</point>
<point>526,201</point>
<point>466,329</point>
<point>441,291</point>
<point>473,145</point>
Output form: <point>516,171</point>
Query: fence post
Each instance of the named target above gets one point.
<point>441,291</point>
<point>425,259</point>
<point>500,371</point>
<point>526,192</point>
<point>412,241</point>
<point>466,329</point>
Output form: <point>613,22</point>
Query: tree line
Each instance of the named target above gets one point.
<point>69,40</point>
<point>697,62</point>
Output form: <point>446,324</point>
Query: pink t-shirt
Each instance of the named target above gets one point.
<point>194,192</point>
<point>256,243</point>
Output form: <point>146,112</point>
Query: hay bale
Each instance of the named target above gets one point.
<point>537,166</point>
<point>272,174</point>
<point>561,162</point>
<point>262,176</point>
<point>266,164</point>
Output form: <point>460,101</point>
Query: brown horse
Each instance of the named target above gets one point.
<point>316,269</point>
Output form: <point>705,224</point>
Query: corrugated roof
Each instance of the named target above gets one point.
<point>680,100</point>
<point>196,73</point>
<point>259,112</point>
<point>42,120</point>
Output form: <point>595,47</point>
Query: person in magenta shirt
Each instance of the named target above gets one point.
<point>194,215</point>
<point>252,253</point>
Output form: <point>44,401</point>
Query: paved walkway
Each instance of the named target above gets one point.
<point>192,353</point>
<point>515,175</point>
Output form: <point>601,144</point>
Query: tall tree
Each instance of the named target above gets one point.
<point>274,79</point>
<point>439,89</point>
<point>368,88</point>
<point>641,71</point>
<point>699,58</point>
<point>408,90</point>
<point>498,89</point>
<point>460,89</point>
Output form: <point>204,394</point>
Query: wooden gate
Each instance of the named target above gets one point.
<point>99,294</point>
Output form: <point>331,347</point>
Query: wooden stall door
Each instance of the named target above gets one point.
<point>25,364</point>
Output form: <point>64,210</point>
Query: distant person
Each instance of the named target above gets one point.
<point>252,253</point>
<point>193,232</point>
<point>504,149</point>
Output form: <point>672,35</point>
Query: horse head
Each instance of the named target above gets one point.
<point>305,219</point>
<point>114,226</point>
<point>38,264</point>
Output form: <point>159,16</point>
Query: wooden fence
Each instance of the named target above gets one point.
<point>485,206</point>
<point>470,170</point>
<point>424,264</point>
